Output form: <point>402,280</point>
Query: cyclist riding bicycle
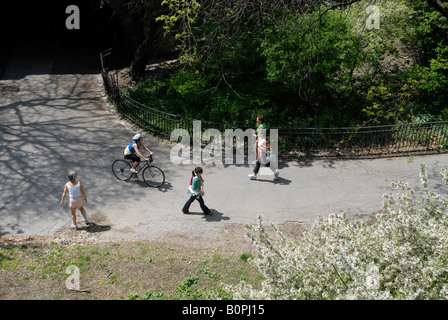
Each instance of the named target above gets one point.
<point>133,153</point>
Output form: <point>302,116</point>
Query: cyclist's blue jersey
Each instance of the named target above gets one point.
<point>130,149</point>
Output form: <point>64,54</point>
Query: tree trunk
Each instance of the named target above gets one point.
<point>439,6</point>
<point>141,57</point>
<point>142,52</point>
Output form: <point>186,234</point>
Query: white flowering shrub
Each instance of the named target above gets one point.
<point>403,255</point>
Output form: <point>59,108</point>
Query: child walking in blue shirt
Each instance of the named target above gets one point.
<point>195,192</point>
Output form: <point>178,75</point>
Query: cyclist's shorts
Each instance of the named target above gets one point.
<point>132,157</point>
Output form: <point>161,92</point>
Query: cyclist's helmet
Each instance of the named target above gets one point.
<point>137,136</point>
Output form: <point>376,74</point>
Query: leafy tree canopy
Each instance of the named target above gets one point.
<point>308,63</point>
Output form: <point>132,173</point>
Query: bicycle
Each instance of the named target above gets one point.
<point>152,175</point>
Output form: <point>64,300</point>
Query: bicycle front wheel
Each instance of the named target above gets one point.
<point>153,176</point>
<point>122,170</point>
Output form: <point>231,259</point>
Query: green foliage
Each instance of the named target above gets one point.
<point>154,92</point>
<point>430,83</point>
<point>246,256</point>
<point>417,91</point>
<point>188,283</point>
<point>290,52</point>
<point>180,9</point>
<point>319,67</point>
<point>189,95</point>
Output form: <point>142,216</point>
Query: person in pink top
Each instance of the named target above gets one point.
<point>77,197</point>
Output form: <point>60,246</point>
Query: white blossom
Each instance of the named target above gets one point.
<point>400,256</point>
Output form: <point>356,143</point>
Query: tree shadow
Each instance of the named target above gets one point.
<point>52,124</point>
<point>15,228</point>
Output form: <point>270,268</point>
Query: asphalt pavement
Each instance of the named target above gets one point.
<point>54,117</point>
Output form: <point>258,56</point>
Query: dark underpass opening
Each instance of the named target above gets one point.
<point>72,33</point>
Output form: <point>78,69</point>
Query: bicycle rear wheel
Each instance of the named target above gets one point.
<point>122,170</point>
<point>153,176</point>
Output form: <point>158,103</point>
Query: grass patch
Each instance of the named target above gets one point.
<point>124,270</point>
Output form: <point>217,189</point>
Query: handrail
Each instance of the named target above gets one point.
<point>391,139</point>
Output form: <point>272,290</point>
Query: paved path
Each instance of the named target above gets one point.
<point>54,117</point>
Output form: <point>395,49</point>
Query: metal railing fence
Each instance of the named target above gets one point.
<point>385,140</point>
